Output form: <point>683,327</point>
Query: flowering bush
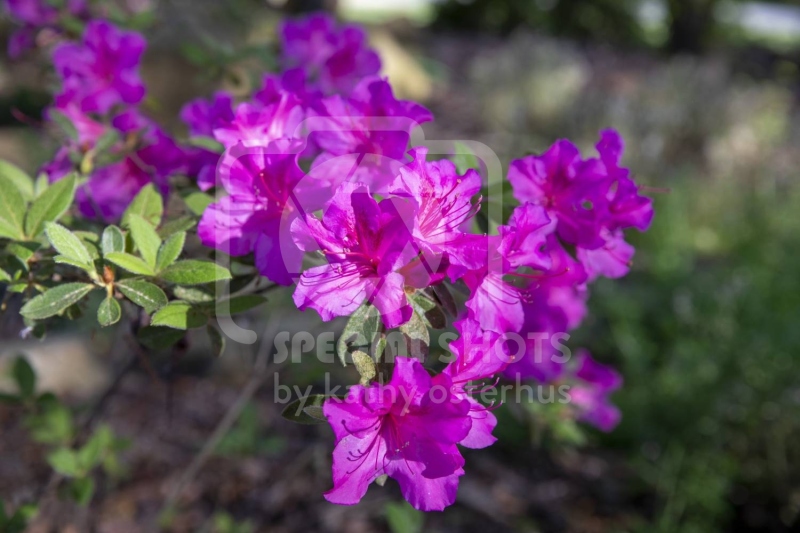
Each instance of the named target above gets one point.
<point>320,186</point>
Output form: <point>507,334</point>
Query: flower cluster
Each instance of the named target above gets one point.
<point>382,221</point>
<point>37,17</point>
<point>118,147</point>
<point>317,182</point>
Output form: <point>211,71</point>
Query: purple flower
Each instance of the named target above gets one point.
<point>495,303</point>
<point>441,204</point>
<point>365,243</point>
<point>612,260</point>
<point>254,125</point>
<point>256,215</point>
<point>478,355</point>
<point>35,15</point>
<point>334,58</point>
<point>102,71</point>
<point>202,117</point>
<point>626,207</point>
<point>407,430</point>
<point>110,188</point>
<point>364,138</point>
<point>593,384</point>
<point>570,189</point>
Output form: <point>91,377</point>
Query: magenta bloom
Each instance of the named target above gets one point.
<point>35,15</point>
<point>626,207</point>
<point>258,212</point>
<point>102,71</point>
<point>478,355</point>
<point>202,117</point>
<point>407,429</point>
<point>335,58</point>
<point>495,303</point>
<point>254,125</point>
<point>593,384</point>
<point>612,260</point>
<point>364,138</point>
<point>572,191</point>
<point>442,203</point>
<point>365,243</point>
<point>110,188</point>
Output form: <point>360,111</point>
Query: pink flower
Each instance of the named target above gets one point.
<point>364,138</point>
<point>571,190</point>
<point>593,383</point>
<point>254,125</point>
<point>102,71</point>
<point>202,117</point>
<point>335,58</point>
<point>365,244</point>
<point>407,429</point>
<point>478,355</point>
<point>256,215</point>
<point>495,303</point>
<point>441,204</point>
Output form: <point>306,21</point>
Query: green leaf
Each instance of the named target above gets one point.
<point>68,245</point>
<point>65,462</point>
<point>170,250</point>
<point>113,240</point>
<point>49,207</point>
<point>179,315</point>
<point>18,178</point>
<point>145,237</point>
<point>174,226</point>
<point>55,300</point>
<point>52,424</point>
<point>208,143</point>
<point>465,159</point>
<point>4,276</point>
<point>18,523</point>
<point>25,377</point>
<point>81,490</point>
<point>365,366</point>
<point>403,518</point>
<point>217,340</point>
<point>144,294</point>
<point>360,331</point>
<point>193,294</point>
<point>159,337</point>
<point>197,202</point>
<point>63,122</point>
<point>12,210</point>
<point>109,312</point>
<point>148,204</point>
<point>107,140</point>
<point>194,272</point>
<point>306,411</point>
<point>131,263</point>
<point>417,334</point>
<point>92,453</point>
<point>428,309</point>
<point>41,184</point>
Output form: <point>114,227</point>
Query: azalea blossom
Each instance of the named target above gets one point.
<point>407,430</point>
<point>494,302</point>
<point>441,201</point>
<point>365,243</point>
<point>478,355</point>
<point>258,212</point>
<point>334,57</point>
<point>102,71</point>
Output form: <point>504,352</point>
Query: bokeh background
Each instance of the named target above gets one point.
<point>704,329</point>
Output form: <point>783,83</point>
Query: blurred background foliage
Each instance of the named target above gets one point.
<point>707,94</point>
